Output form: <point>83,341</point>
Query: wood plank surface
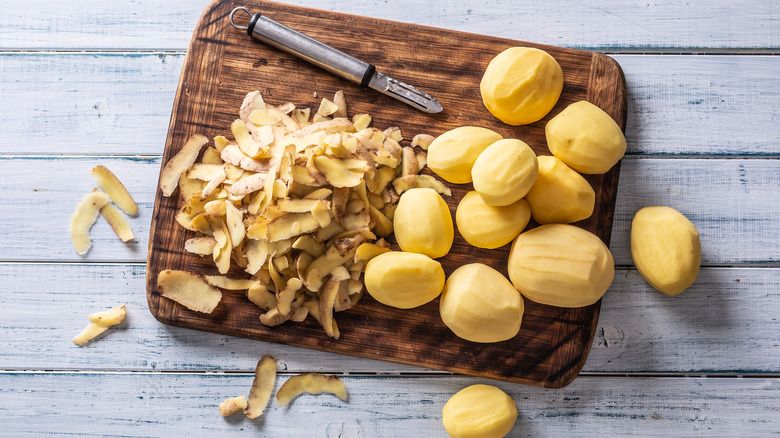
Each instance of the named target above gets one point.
<point>732,331</point>
<point>223,65</point>
<point>738,224</point>
<point>691,26</point>
<point>109,101</point>
<point>120,104</point>
<point>172,404</point>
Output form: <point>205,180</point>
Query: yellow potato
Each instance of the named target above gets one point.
<point>521,85</point>
<point>404,279</point>
<point>504,172</point>
<point>452,154</point>
<point>585,138</point>
<point>560,195</point>
<point>480,305</point>
<point>479,411</point>
<point>423,223</point>
<point>488,226</point>
<point>561,265</point>
<point>666,248</point>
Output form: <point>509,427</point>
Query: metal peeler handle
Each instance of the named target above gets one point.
<point>307,48</point>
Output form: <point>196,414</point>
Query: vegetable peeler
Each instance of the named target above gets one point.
<point>332,60</point>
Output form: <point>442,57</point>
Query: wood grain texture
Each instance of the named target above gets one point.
<point>729,200</point>
<point>163,405</point>
<point>592,24</point>
<point>120,104</point>
<point>223,65</point>
<point>733,330</point>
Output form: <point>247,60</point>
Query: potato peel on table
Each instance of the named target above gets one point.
<point>86,214</point>
<point>116,191</point>
<point>262,386</point>
<point>311,383</point>
<point>99,323</point>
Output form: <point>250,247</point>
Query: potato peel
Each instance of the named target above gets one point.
<point>116,191</point>
<point>262,386</point>
<point>89,333</point>
<point>188,290</point>
<point>109,317</point>
<point>82,220</point>
<point>179,163</point>
<point>233,405</point>
<point>118,222</point>
<point>227,283</point>
<point>311,383</point>
<point>290,199</point>
<point>99,323</point>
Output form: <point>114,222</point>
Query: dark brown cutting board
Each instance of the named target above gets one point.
<point>223,64</point>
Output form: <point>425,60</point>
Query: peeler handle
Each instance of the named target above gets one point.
<point>307,48</point>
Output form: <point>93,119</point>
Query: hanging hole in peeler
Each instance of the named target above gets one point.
<point>233,12</point>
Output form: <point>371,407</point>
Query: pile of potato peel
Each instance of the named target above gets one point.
<point>299,202</point>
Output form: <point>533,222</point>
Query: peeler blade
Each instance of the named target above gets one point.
<point>405,93</point>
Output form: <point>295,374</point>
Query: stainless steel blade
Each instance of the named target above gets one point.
<point>405,93</point>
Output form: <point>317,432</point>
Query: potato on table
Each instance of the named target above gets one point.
<point>666,248</point>
<point>479,411</point>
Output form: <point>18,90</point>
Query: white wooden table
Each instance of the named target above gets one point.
<point>87,82</point>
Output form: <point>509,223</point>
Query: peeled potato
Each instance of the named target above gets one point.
<point>488,226</point>
<point>666,248</point>
<point>521,85</point>
<point>585,138</point>
<point>480,305</point>
<point>404,279</point>
<point>561,265</point>
<point>423,224</point>
<point>452,154</point>
<point>560,195</point>
<point>505,171</point>
<point>479,411</point>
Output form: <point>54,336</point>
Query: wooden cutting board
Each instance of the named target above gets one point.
<point>223,64</point>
